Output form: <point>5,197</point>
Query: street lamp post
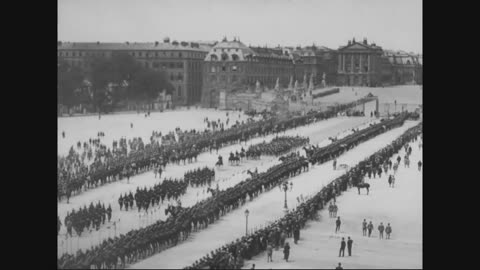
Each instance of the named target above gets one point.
<point>285,189</point>
<point>246,221</point>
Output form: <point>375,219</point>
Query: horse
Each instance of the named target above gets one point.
<point>219,162</point>
<point>242,155</point>
<point>173,210</point>
<point>252,174</point>
<point>363,185</point>
<point>308,151</point>
<point>213,191</point>
<point>233,159</point>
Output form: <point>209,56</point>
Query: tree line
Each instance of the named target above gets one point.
<point>109,82</point>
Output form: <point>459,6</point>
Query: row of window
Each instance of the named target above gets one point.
<point>176,77</point>
<point>145,54</point>
<point>225,49</point>
<point>166,64</point>
<point>234,68</point>
<point>248,79</point>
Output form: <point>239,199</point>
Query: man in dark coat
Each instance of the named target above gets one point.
<point>286,251</point>
<point>349,246</point>
<point>296,234</point>
<point>338,223</point>
<point>342,248</point>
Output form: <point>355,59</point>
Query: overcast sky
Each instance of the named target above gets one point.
<point>392,24</point>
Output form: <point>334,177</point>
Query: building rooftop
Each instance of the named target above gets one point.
<point>184,46</point>
<point>235,50</point>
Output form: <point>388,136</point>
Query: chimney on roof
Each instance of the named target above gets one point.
<point>156,43</point>
<point>224,39</point>
<point>128,43</point>
<point>353,40</point>
<point>235,39</point>
<point>365,41</point>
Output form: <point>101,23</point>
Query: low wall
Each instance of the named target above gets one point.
<point>326,93</point>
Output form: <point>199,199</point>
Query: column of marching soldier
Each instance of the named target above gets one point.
<point>129,248</point>
<point>232,256</point>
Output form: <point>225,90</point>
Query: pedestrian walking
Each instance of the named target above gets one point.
<point>381,228</point>
<point>334,164</point>
<point>370,228</point>
<point>286,251</point>
<point>364,227</point>
<point>283,236</point>
<point>269,253</point>
<point>330,210</point>
<point>338,223</point>
<point>253,267</point>
<point>342,248</point>
<point>388,230</point>
<point>339,267</point>
<point>349,246</point>
<point>335,209</point>
<point>420,165</point>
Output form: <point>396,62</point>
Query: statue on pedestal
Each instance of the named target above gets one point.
<point>257,87</point>
<point>277,84</point>
<point>290,84</point>
<point>310,87</point>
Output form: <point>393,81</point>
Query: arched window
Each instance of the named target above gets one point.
<point>234,57</point>
<point>213,57</point>
<point>224,57</point>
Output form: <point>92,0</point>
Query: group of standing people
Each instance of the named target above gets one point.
<point>381,228</point>
<point>146,198</point>
<point>85,218</point>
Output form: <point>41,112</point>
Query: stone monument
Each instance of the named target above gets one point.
<point>257,87</point>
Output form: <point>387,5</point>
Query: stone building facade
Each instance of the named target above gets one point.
<point>360,64</point>
<point>318,60</point>
<point>406,68</point>
<point>182,62</point>
<point>231,67</point>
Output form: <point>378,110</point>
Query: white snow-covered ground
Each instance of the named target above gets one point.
<point>411,94</point>
<point>226,176</point>
<point>267,207</point>
<point>116,126</point>
<point>400,206</point>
